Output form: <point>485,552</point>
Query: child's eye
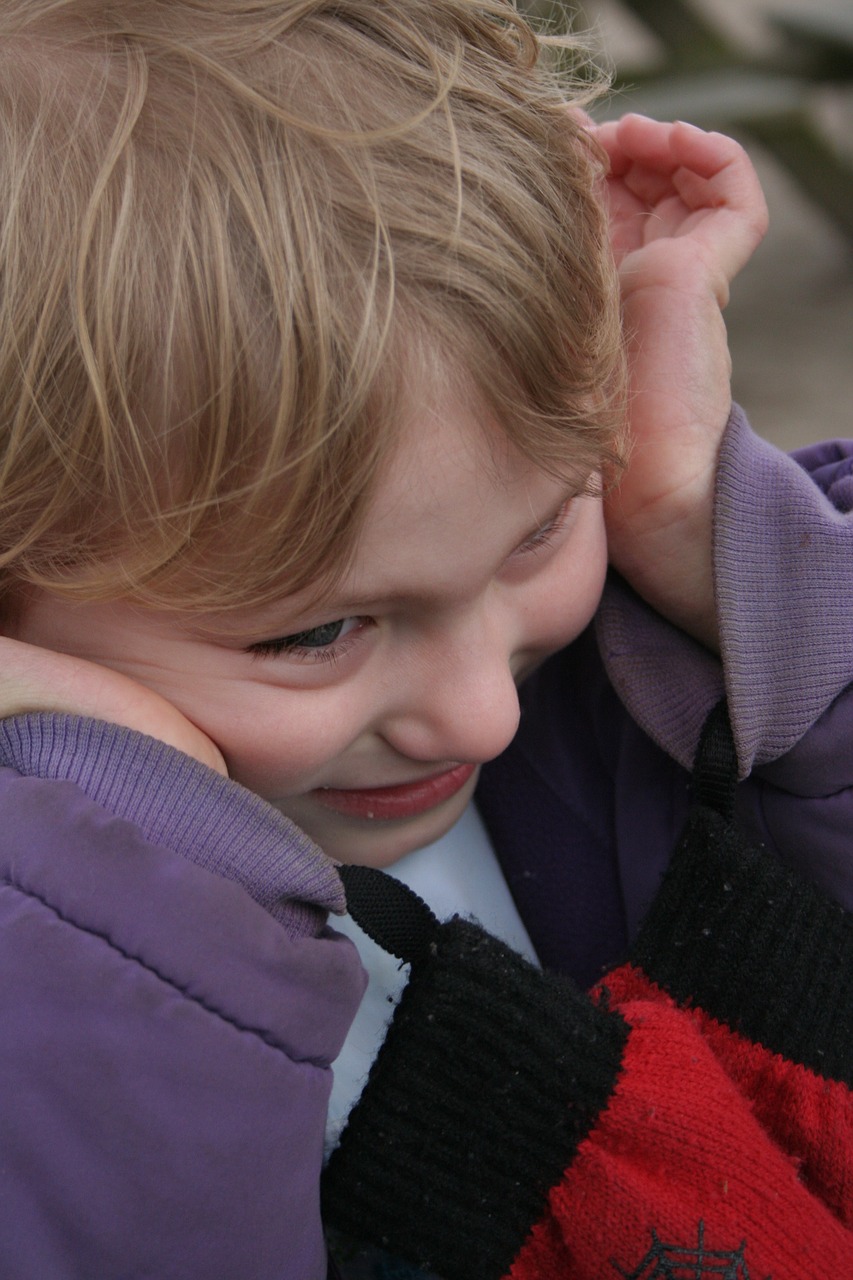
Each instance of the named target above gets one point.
<point>545,536</point>
<point>317,643</point>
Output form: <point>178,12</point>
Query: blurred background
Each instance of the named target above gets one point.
<point>778,75</point>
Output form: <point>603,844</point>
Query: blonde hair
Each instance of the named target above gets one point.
<point>233,235</point>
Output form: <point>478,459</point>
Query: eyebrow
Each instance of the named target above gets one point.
<point>340,605</point>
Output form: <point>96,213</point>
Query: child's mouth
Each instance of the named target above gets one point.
<point>405,800</point>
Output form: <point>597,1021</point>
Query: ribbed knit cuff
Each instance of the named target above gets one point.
<point>491,1074</point>
<point>177,801</point>
<point>754,945</point>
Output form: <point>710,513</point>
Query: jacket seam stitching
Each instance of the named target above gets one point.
<point>149,968</point>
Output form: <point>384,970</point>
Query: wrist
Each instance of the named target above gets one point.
<point>671,565</point>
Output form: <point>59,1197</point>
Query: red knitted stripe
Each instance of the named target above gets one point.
<point>811,1118</point>
<point>641,1190</point>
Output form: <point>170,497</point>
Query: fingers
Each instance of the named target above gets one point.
<point>661,146</point>
<point>713,169</point>
<point>693,182</point>
<point>33,679</point>
<point>707,169</point>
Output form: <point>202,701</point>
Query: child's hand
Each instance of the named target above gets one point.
<point>34,679</point>
<point>686,212</point>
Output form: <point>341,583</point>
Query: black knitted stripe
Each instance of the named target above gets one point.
<point>754,945</point>
<point>491,1075</point>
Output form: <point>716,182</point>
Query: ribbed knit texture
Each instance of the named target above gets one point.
<point>179,802</point>
<point>784,660</point>
<point>696,1120</point>
<point>729,912</point>
<point>491,1075</point>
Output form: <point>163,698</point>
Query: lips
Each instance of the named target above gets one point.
<point>406,800</point>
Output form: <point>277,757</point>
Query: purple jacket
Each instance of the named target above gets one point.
<point>171,998</point>
<point>586,804</point>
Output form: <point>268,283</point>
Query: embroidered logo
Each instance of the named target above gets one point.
<point>688,1262</point>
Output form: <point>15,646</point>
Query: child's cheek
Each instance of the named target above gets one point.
<point>290,739</point>
<point>569,591</point>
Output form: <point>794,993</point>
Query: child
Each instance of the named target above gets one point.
<point>313,408</point>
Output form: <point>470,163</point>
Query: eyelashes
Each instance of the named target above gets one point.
<point>324,643</point>
<point>330,641</point>
<point>549,532</point>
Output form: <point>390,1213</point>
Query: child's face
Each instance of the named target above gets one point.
<point>366,720</point>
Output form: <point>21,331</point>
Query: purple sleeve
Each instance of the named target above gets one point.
<point>784,575</point>
<point>784,586</point>
<point>830,466</point>
<point>166,1044</point>
<point>175,800</point>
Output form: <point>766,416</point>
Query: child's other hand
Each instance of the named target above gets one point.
<point>35,679</point>
<point>686,214</point>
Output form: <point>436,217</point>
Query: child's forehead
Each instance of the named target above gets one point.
<point>454,501</point>
<point>449,445</point>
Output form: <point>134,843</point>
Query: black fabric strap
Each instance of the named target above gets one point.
<point>401,923</point>
<point>715,771</point>
<point>389,912</point>
<point>736,933</point>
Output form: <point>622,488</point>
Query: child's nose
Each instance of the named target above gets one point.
<point>461,704</point>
